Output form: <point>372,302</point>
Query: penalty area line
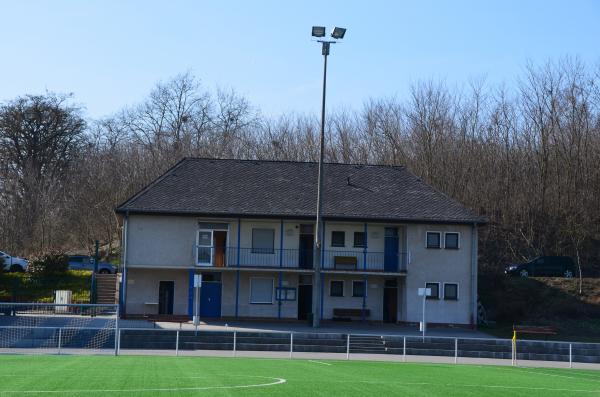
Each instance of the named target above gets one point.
<point>319,362</point>
<point>276,381</point>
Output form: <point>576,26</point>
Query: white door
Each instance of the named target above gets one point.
<point>205,248</point>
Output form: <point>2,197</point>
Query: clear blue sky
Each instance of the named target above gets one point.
<point>110,53</point>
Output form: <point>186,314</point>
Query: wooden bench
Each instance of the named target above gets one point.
<point>347,314</point>
<point>345,262</point>
<point>534,329</point>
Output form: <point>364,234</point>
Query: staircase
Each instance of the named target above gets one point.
<point>368,344</point>
<point>107,289</point>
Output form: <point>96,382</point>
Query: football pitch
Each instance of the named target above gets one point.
<point>92,376</point>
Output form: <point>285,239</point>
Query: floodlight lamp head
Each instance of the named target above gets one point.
<point>318,31</point>
<point>338,33</point>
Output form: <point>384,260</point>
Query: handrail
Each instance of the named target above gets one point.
<point>230,256</point>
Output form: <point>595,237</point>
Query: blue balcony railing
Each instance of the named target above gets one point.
<point>346,260</point>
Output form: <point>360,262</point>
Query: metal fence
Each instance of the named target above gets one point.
<point>289,344</point>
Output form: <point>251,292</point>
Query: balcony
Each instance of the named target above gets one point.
<point>333,260</point>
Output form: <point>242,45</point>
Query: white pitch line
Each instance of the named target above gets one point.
<point>484,386</point>
<point>319,362</point>
<point>278,381</point>
<point>532,371</point>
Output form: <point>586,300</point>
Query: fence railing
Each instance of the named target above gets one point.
<point>350,259</point>
<point>60,339</point>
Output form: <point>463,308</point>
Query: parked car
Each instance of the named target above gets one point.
<point>14,263</point>
<point>85,262</point>
<point>546,266</point>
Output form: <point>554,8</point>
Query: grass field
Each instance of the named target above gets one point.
<point>192,376</point>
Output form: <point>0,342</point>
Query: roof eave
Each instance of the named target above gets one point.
<point>130,211</point>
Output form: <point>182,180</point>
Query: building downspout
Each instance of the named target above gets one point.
<point>474,242</point>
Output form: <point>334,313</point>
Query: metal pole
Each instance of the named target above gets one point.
<point>237,276</point>
<point>291,343</point>
<point>424,299</point>
<point>455,350</point>
<point>514,353</point>
<point>94,292</point>
<point>117,334</point>
<point>570,355</point>
<point>348,347</point>
<point>177,344</point>
<point>234,343</point>
<point>317,250</point>
<point>196,307</point>
<point>118,342</point>
<point>59,339</point>
<point>404,349</point>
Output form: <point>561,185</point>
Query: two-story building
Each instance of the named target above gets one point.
<point>248,227</point>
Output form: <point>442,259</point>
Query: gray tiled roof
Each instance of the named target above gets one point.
<point>198,186</point>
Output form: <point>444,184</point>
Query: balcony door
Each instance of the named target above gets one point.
<point>212,247</point>
<point>390,259</point>
<point>306,247</point>
<point>205,244</point>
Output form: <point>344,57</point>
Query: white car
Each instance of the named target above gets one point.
<point>14,263</point>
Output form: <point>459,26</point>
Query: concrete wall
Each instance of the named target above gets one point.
<point>439,265</point>
<point>142,290</point>
<point>161,241</point>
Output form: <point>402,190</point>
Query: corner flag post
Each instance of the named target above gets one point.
<point>514,348</point>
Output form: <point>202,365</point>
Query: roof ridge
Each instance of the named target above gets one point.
<point>294,162</point>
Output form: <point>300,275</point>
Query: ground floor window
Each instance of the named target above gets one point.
<point>450,291</point>
<point>261,290</point>
<point>336,288</point>
<point>435,290</point>
<point>358,288</point>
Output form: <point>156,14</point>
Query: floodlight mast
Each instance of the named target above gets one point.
<point>337,33</point>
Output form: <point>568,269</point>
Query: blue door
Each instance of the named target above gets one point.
<point>210,299</point>
<point>390,260</point>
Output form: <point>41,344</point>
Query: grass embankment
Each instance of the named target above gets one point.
<point>27,287</point>
<point>554,302</point>
<point>201,376</point>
